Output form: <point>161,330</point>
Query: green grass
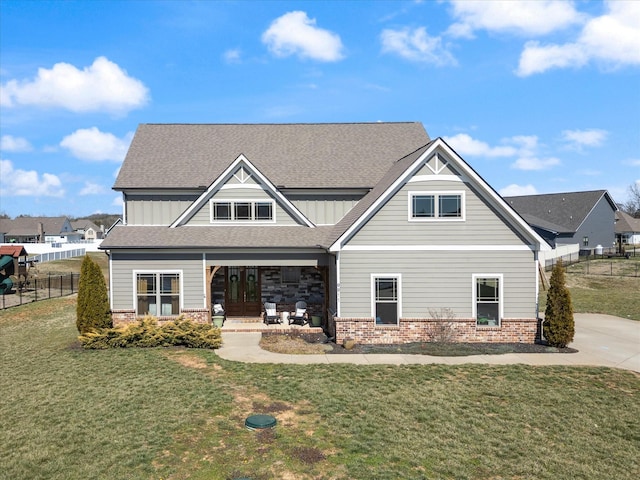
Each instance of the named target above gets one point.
<point>66,413</point>
<point>611,295</point>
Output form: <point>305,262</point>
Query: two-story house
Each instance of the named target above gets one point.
<point>373,222</point>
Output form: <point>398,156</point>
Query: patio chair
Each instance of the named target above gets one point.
<point>300,316</point>
<point>270,313</point>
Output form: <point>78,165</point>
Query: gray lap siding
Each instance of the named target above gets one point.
<point>434,280</point>
<point>189,265</point>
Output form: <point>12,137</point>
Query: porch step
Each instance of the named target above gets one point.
<point>263,327</point>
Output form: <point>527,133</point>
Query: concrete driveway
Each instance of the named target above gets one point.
<point>601,340</point>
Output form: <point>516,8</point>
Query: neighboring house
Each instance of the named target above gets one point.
<point>583,218</point>
<point>382,231</point>
<point>87,229</point>
<point>627,229</point>
<point>36,230</point>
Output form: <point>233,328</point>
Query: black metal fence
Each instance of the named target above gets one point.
<point>40,288</point>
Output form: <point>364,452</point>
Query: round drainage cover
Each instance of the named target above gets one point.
<point>260,421</point>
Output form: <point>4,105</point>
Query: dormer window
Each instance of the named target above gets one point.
<point>241,211</point>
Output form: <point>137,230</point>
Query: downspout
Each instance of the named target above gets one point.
<point>538,266</point>
<point>338,283</point>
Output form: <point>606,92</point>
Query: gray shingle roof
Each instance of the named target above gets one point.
<point>29,225</point>
<point>345,155</point>
<point>560,212</point>
<point>185,237</point>
<point>625,223</point>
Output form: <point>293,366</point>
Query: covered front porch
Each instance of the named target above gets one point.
<point>243,287</point>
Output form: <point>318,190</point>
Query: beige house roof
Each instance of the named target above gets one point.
<point>625,223</point>
<point>29,225</point>
<point>345,155</point>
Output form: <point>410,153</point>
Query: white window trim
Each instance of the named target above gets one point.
<point>436,194</point>
<point>474,296</point>
<point>232,201</point>
<point>155,272</point>
<point>374,276</point>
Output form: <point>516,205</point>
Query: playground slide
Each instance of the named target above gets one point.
<point>6,266</point>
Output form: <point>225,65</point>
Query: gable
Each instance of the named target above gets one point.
<point>241,196</point>
<point>437,171</point>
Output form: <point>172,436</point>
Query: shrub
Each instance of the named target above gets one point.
<point>147,333</point>
<point>559,326</point>
<point>92,311</point>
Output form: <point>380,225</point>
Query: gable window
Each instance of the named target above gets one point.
<point>386,308</point>
<point>487,299</point>
<point>436,206</point>
<point>241,211</point>
<point>158,294</point>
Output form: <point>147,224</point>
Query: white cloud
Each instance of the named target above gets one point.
<point>585,138</point>
<point>232,56</point>
<point>17,182</point>
<point>416,45</point>
<point>538,17</point>
<point>634,162</point>
<point>92,189</point>
<point>9,143</point>
<point>93,145</point>
<point>612,40</point>
<point>515,190</point>
<point>117,201</point>
<point>101,86</point>
<point>464,144</point>
<point>535,163</point>
<point>296,34</point>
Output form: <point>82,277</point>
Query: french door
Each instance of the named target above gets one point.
<point>242,292</point>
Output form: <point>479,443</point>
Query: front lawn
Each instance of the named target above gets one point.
<point>67,413</point>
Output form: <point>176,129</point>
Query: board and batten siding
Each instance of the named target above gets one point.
<point>124,264</point>
<point>324,212</point>
<point>203,215</point>
<point>391,225</point>
<point>156,209</point>
<point>438,279</point>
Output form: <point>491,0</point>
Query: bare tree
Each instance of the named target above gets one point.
<point>632,206</point>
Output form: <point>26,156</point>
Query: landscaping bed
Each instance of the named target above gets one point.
<point>317,343</point>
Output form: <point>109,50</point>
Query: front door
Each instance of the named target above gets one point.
<point>242,292</point>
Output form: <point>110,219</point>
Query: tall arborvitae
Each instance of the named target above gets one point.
<point>92,311</point>
<point>559,326</point>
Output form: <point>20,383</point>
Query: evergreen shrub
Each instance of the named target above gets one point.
<point>559,325</point>
<point>146,332</point>
<point>92,310</point>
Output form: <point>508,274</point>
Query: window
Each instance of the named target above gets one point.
<point>221,211</point>
<point>436,206</point>
<point>585,241</point>
<point>158,294</point>
<point>241,211</point>
<point>386,299</point>
<point>488,299</point>
<point>423,206</point>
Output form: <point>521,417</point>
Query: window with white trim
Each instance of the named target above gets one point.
<point>426,206</point>
<point>488,299</point>
<point>386,299</point>
<point>158,294</point>
<point>241,211</point>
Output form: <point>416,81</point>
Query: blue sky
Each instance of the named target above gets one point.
<point>538,97</point>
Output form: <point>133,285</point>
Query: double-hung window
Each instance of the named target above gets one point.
<point>386,296</point>
<point>488,299</point>
<point>241,211</point>
<point>158,293</point>
<point>428,206</point>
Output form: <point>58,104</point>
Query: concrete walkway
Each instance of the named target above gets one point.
<point>601,340</point>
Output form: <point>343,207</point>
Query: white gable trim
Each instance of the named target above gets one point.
<point>466,173</point>
<point>218,185</point>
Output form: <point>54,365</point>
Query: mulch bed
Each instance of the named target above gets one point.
<point>419,348</point>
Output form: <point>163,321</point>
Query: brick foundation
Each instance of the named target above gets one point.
<point>365,332</point>
<point>125,317</point>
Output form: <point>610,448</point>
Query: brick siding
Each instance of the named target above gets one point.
<point>364,331</point>
<point>124,317</point>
